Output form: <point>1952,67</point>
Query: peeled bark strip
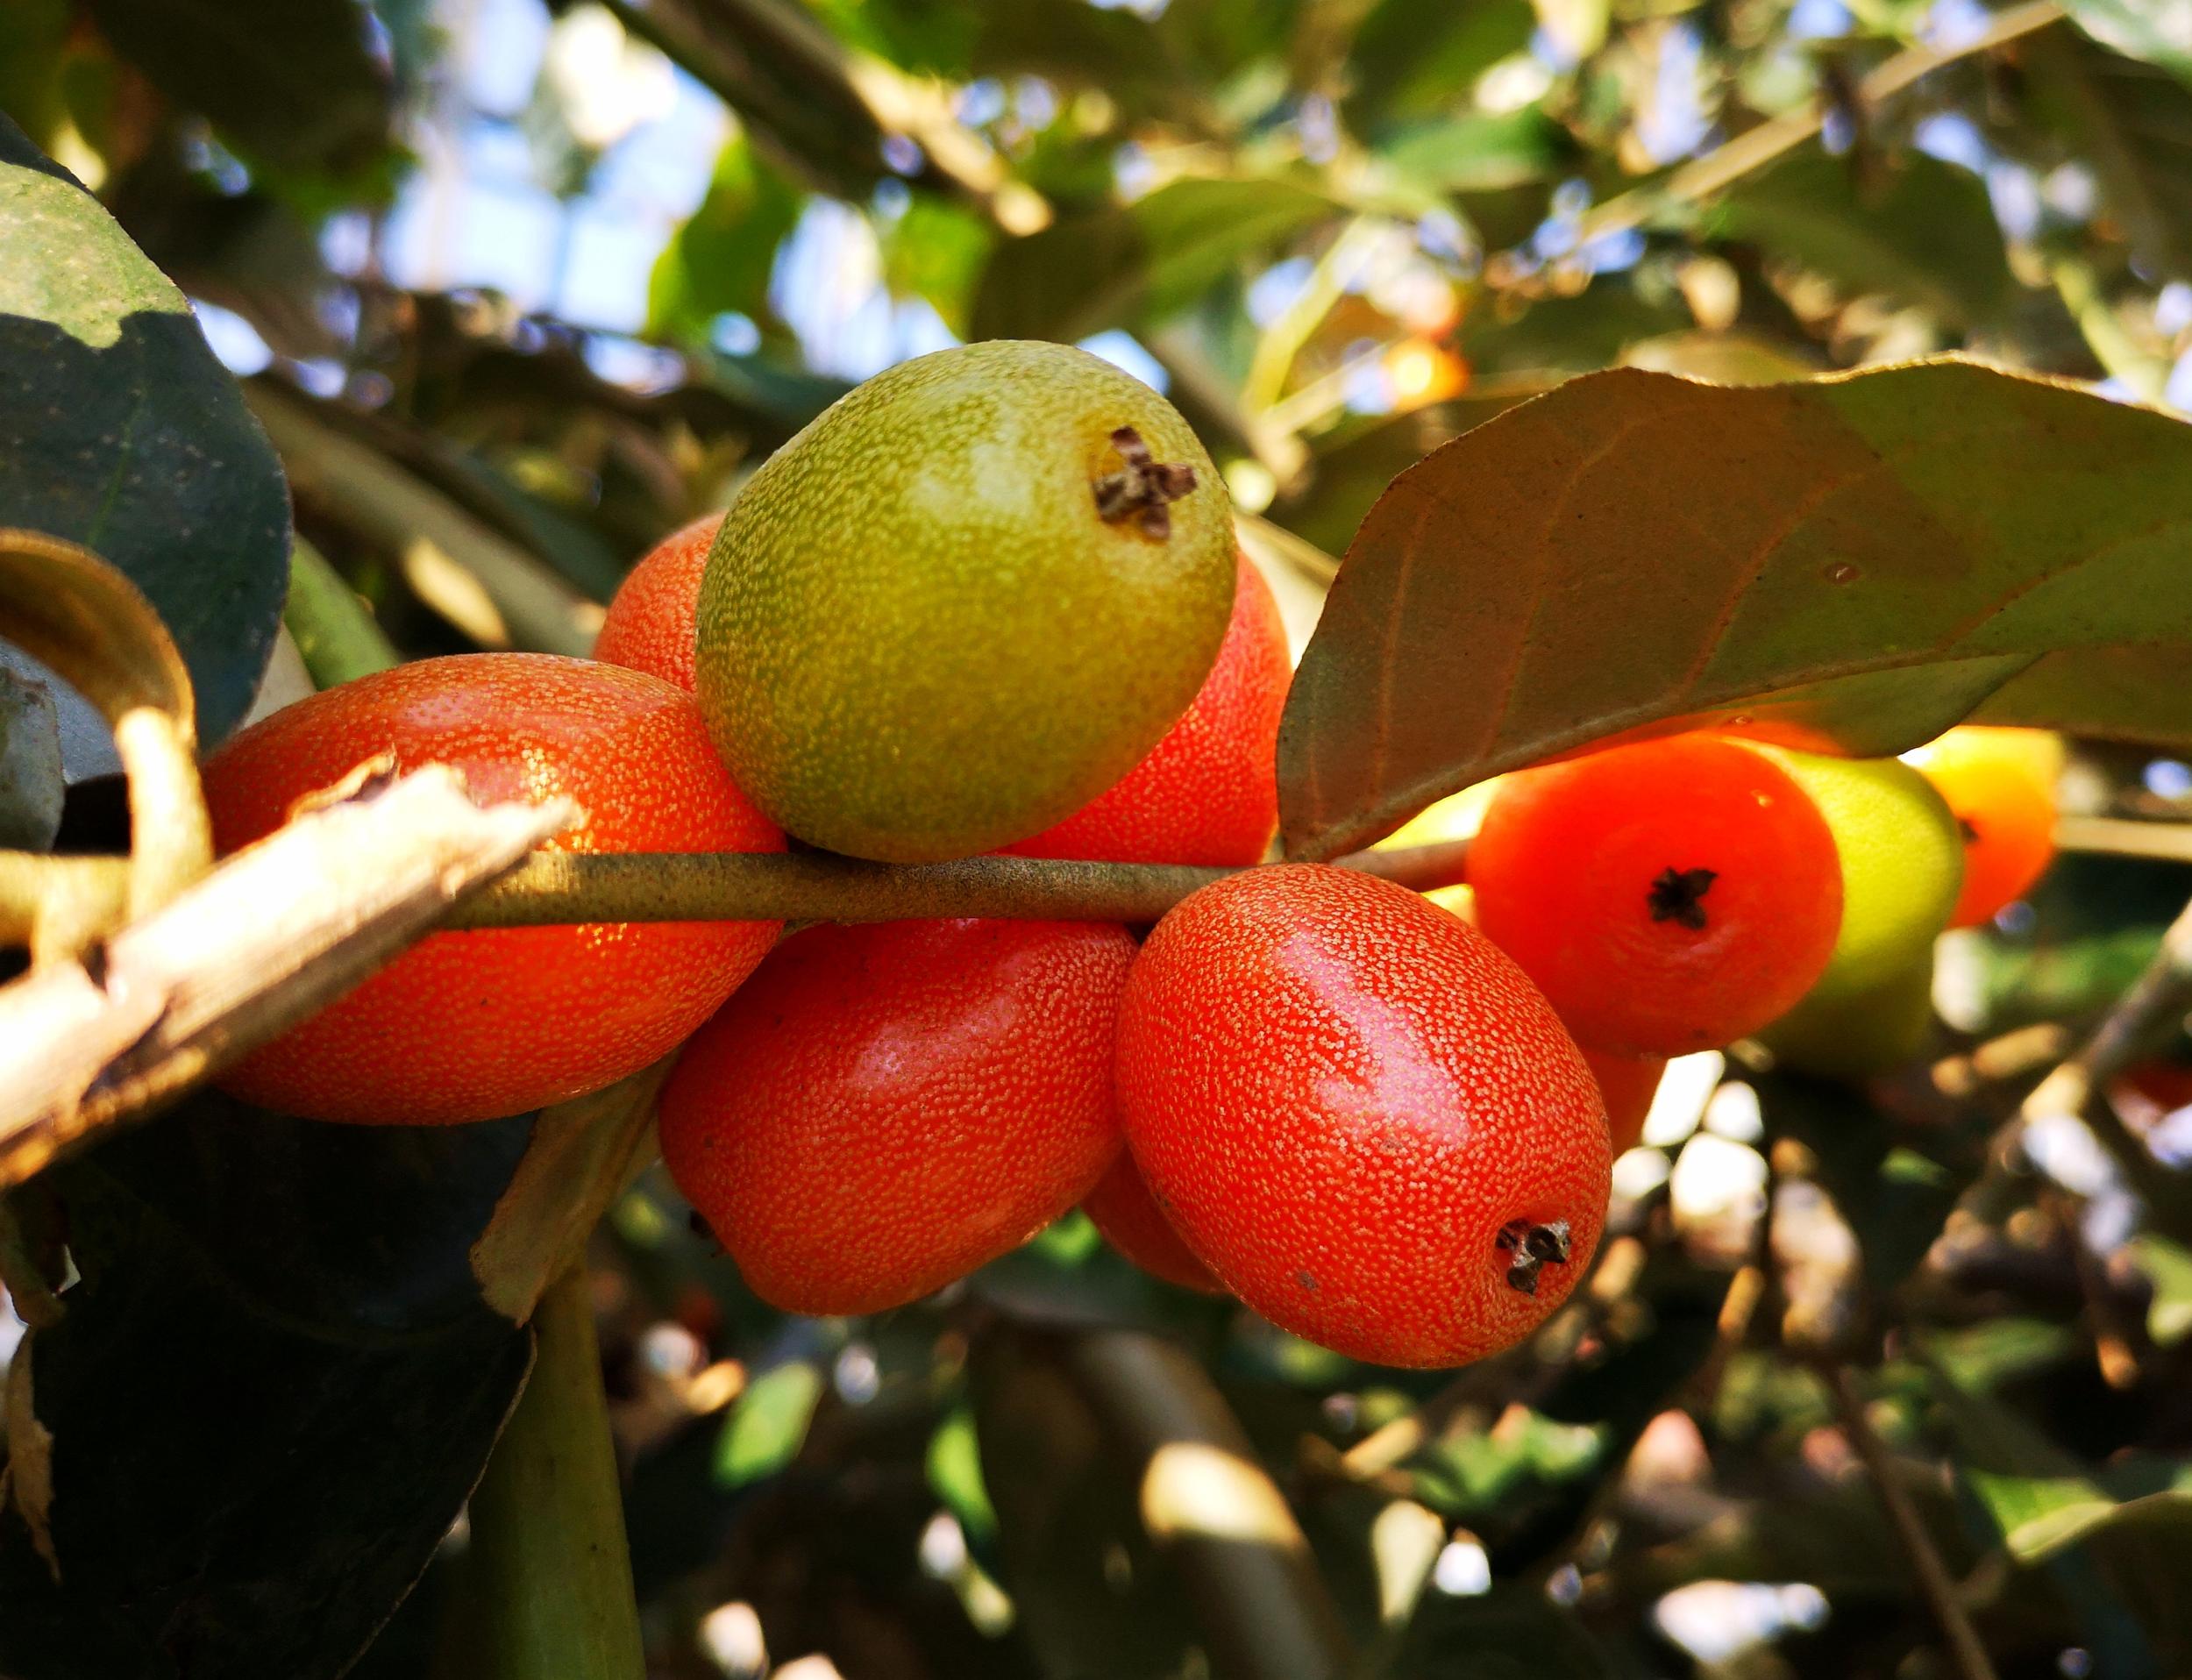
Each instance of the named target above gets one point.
<point>272,935</point>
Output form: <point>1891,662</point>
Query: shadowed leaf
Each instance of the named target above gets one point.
<point>269,1394</point>
<point>119,430</point>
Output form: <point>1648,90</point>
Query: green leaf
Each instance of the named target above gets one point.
<point>935,251</point>
<point>2040,1516</point>
<point>119,430</point>
<point>2130,123</point>
<point>294,82</point>
<point>768,1426</point>
<point>720,259</point>
<point>2168,1268</point>
<point>1855,563</point>
<point>1140,261</point>
<point>1478,154</point>
<point>954,1471</point>
<point>1924,234</point>
<point>1409,57</point>
<point>1528,1458</point>
<point>2141,29</point>
<point>270,1392</point>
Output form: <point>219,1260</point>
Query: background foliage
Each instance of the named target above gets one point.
<point>515,288</point>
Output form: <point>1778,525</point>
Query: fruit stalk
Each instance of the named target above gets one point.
<point>550,1574</point>
<point>556,887</point>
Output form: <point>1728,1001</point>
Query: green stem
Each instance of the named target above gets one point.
<point>549,1574</point>
<point>334,629</point>
<point>558,887</point>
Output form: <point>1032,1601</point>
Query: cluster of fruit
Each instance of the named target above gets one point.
<point>1679,894</point>
<point>992,602</point>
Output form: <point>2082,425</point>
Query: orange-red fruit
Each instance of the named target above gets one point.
<point>1998,782</point>
<point>1208,792</point>
<point>1669,896</point>
<point>649,622</point>
<point>1361,1115</point>
<point>1627,1084</point>
<point>469,1026</point>
<point>1127,1215</point>
<point>884,1108</point>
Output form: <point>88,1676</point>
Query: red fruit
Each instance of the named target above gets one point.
<point>649,622</point>
<point>1361,1115</point>
<point>469,1026</point>
<point>1208,792</point>
<point>884,1108</point>
<point>1627,1084</point>
<point>2001,785</point>
<point>1668,896</point>
<point>1132,1223</point>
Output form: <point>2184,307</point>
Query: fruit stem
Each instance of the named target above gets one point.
<point>549,1573</point>
<point>551,888</point>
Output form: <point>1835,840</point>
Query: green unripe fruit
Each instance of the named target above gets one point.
<point>1861,1034</point>
<point>963,602</point>
<point>1903,865</point>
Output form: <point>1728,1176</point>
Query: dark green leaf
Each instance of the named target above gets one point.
<point>294,82</point>
<point>1478,154</point>
<point>1854,563</point>
<point>1924,233</point>
<point>2130,124</point>
<point>1140,261</point>
<point>119,430</point>
<point>1409,58</point>
<point>270,1394</point>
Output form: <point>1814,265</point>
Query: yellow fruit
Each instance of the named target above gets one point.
<point>963,602</point>
<point>1860,1035</point>
<point>1902,862</point>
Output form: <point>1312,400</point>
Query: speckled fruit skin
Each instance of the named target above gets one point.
<point>1569,867</point>
<point>1208,792</point>
<point>1627,1084</point>
<point>1127,1215</point>
<point>884,1108</point>
<point>649,626</point>
<point>1341,1094</point>
<point>470,1026</point>
<point>2001,787</point>
<point>918,639</point>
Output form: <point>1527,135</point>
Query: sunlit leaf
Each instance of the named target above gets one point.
<point>954,1471</point>
<point>768,1426</point>
<point>720,259</point>
<point>1852,563</point>
<point>2158,33</point>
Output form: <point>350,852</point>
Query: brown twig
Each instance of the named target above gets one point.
<point>1965,1650</point>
